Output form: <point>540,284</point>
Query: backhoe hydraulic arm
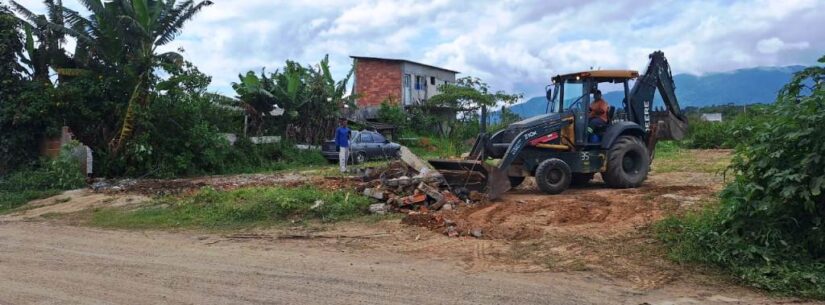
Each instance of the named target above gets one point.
<point>656,76</point>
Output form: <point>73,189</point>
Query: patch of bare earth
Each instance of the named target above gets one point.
<point>156,187</point>
<point>71,202</point>
<point>594,228</point>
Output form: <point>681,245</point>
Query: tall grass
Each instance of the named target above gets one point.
<point>209,208</point>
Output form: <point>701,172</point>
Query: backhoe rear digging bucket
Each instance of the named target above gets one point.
<point>473,175</point>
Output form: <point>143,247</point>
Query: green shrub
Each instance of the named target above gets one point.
<point>393,114</point>
<point>703,134</point>
<point>209,208</point>
<point>768,227</point>
<point>46,179</point>
<point>733,131</point>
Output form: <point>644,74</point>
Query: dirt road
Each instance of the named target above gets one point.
<point>45,262</point>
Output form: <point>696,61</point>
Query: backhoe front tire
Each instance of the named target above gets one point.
<point>553,176</point>
<point>628,163</point>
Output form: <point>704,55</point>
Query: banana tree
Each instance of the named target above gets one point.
<point>255,98</point>
<point>123,37</point>
<point>43,44</point>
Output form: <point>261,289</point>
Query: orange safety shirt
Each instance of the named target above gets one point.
<point>599,109</point>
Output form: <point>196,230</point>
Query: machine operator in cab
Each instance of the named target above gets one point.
<point>597,115</point>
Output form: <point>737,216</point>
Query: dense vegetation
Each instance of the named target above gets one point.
<point>312,100</point>
<point>768,228</point>
<point>124,98</point>
<point>48,178</point>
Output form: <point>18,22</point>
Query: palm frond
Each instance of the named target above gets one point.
<point>71,32</point>
<point>28,15</point>
<point>171,58</point>
<point>172,31</point>
<point>76,21</point>
<point>170,13</point>
<point>133,25</point>
<point>95,6</point>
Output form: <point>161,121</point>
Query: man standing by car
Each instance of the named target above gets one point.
<point>342,134</point>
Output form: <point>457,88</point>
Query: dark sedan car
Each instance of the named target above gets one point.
<point>364,145</point>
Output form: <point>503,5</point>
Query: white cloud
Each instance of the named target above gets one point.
<point>773,45</point>
<point>513,44</point>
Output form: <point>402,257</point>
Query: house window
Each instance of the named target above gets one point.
<point>418,83</point>
<point>432,80</point>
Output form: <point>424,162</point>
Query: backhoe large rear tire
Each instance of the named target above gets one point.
<point>628,162</point>
<point>553,176</point>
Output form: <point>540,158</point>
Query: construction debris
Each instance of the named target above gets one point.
<point>410,185</point>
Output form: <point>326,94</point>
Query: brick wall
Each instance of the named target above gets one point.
<point>376,80</point>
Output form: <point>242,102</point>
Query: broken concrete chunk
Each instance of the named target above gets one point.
<point>430,191</point>
<point>379,208</point>
<point>414,161</point>
<point>374,193</point>
<point>477,233</point>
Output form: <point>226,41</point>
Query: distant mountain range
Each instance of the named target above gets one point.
<point>740,87</point>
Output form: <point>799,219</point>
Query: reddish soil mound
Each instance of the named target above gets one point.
<point>526,214</point>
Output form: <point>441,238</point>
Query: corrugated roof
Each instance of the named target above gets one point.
<point>402,60</point>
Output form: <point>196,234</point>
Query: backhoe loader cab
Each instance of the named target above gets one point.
<point>559,149</point>
<point>572,94</point>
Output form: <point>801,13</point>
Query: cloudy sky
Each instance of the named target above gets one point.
<point>514,45</point>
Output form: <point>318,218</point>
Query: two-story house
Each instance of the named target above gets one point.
<point>397,81</point>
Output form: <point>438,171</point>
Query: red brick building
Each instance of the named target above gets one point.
<point>397,81</point>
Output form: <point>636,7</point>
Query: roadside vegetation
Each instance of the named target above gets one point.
<point>146,113</point>
<point>767,229</point>
<point>49,178</point>
<point>211,209</point>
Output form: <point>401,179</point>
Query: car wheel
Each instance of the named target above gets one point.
<point>360,157</point>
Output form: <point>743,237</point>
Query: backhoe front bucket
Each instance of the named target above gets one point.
<point>473,175</point>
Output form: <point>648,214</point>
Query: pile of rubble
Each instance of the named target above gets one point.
<point>409,185</point>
